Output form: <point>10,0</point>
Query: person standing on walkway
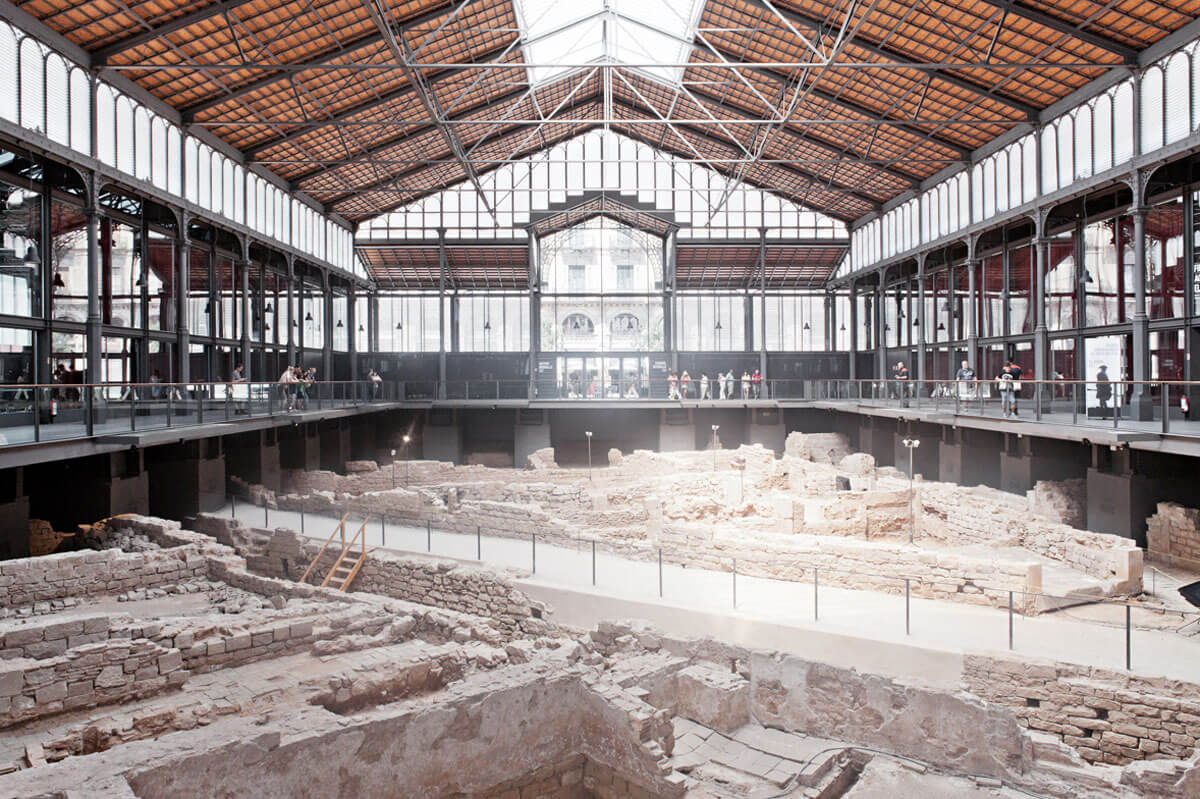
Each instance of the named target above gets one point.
<point>966,380</point>
<point>1103,387</point>
<point>745,385</point>
<point>900,374</point>
<point>756,380</point>
<point>1016,372</point>
<point>673,386</point>
<point>1004,385</point>
<point>685,380</point>
<point>703,386</point>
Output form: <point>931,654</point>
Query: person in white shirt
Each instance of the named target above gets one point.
<point>287,382</point>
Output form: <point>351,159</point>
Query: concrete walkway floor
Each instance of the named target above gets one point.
<point>842,626</point>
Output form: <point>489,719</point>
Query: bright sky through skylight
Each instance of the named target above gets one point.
<point>620,31</point>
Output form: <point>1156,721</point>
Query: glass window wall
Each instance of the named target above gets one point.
<point>1108,284</point>
<point>990,285</point>
<point>1062,284</point>
<point>1165,267</point>
<point>20,262</point>
<point>1020,290</point>
<point>493,323</point>
<point>795,323</point>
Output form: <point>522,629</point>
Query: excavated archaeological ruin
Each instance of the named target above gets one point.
<point>204,657</point>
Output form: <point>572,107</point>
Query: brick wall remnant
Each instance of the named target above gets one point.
<point>1062,501</point>
<point>106,672</point>
<point>818,447</point>
<point>1107,716</point>
<point>541,459</point>
<point>1173,535</point>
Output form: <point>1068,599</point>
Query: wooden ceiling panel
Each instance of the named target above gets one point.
<point>310,89</point>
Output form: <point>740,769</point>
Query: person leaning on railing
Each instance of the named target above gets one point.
<point>287,385</point>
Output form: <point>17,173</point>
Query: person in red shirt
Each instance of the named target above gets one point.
<point>756,379</point>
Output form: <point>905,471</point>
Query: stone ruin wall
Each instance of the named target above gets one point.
<point>1099,716</point>
<point>34,582</point>
<point>880,565</point>
<point>861,565</point>
<point>89,660</point>
<point>1106,716</point>
<point>982,515</point>
<point>619,736</point>
<point>458,743</point>
<point>622,518</point>
<point>1062,501</point>
<point>444,583</point>
<point>1173,535</point>
<point>285,555</point>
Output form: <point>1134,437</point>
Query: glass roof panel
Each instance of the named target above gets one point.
<point>646,33</point>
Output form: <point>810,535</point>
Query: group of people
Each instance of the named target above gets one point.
<point>1008,384</point>
<point>723,386</point>
<point>295,383</point>
<point>590,388</point>
<point>70,376</point>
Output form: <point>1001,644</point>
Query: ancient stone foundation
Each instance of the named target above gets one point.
<point>438,679</point>
<point>819,507</point>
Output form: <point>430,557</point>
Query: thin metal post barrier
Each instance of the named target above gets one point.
<point>1010,620</point>
<point>593,561</point>
<point>169,391</point>
<point>428,537</point>
<point>133,409</point>
<point>660,593</point>
<point>907,614</point>
<point>301,516</point>
<point>383,529</point>
<point>1166,408</point>
<point>478,543</point>
<point>266,514</point>
<point>533,551</point>
<point>37,415</point>
<point>1074,403</point>
<point>735,582</point>
<point>816,614</point>
<point>233,507</point>
<point>1128,638</point>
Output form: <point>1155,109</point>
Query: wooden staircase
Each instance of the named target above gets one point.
<point>348,562</point>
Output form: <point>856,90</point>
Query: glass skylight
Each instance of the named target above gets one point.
<point>645,33</point>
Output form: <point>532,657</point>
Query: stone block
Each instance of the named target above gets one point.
<point>11,682</point>
<point>541,459</point>
<point>859,463</point>
<point>170,662</point>
<point>23,636</point>
<point>717,699</point>
<point>46,649</point>
<point>52,692</point>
